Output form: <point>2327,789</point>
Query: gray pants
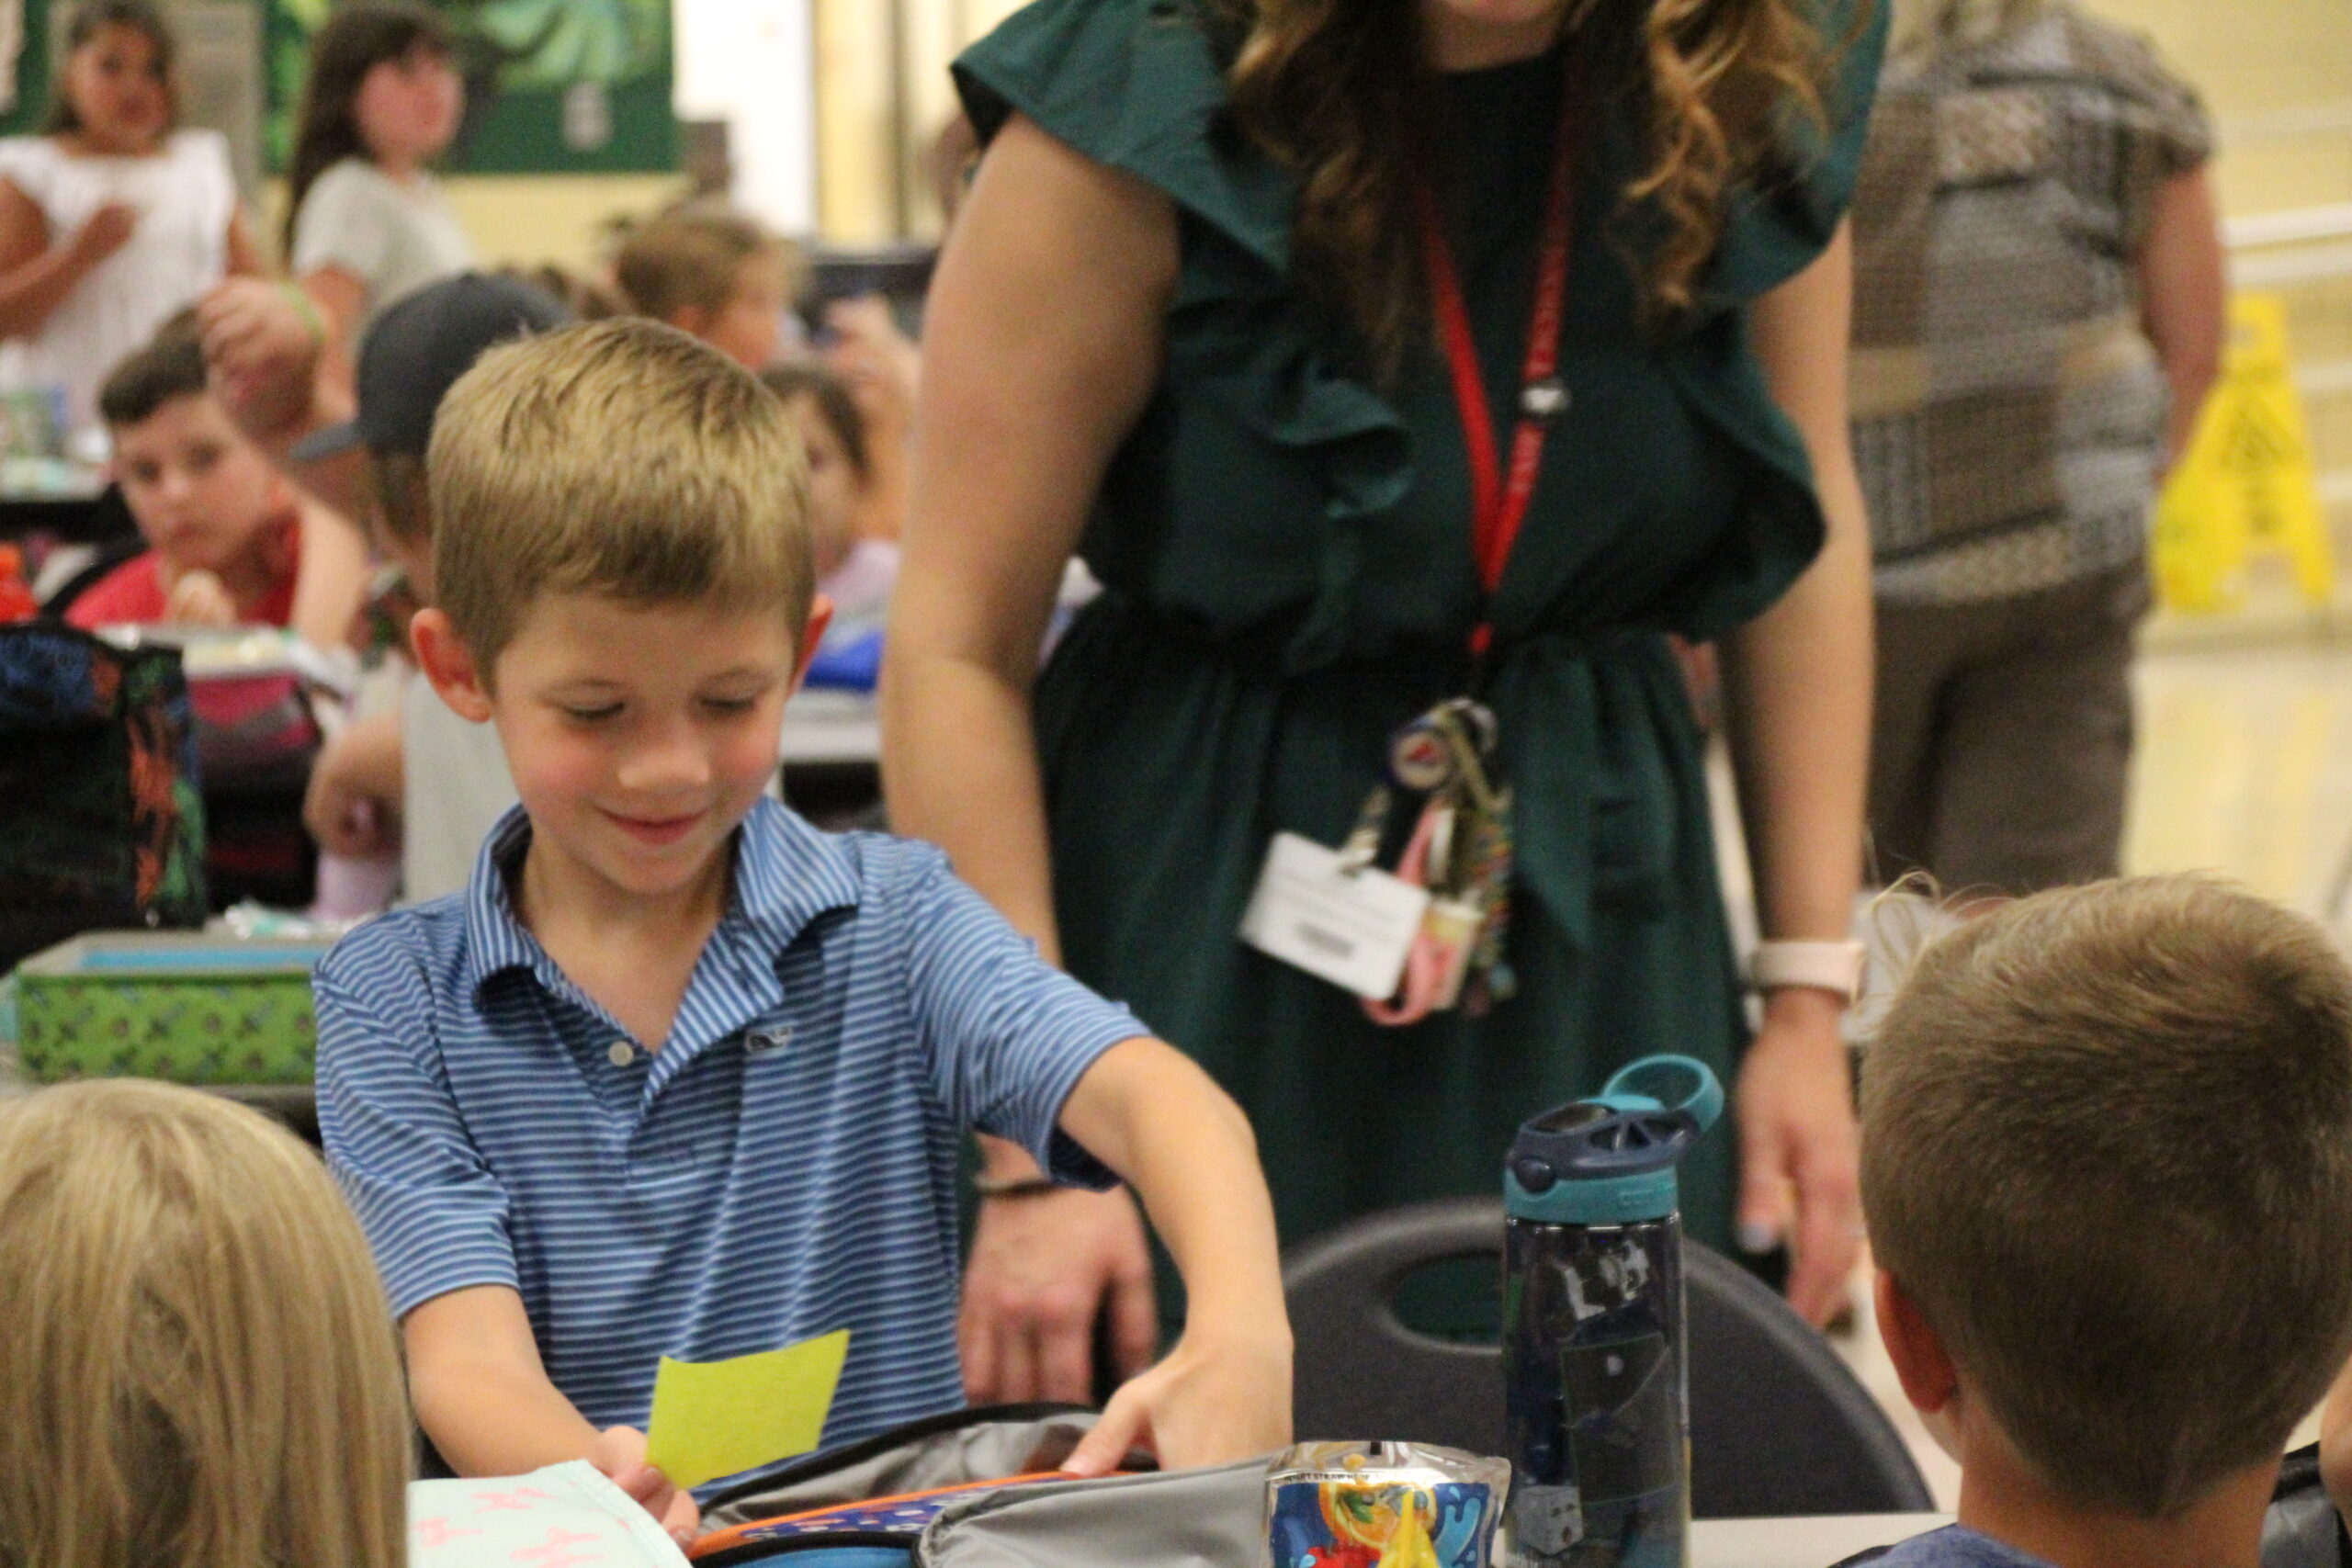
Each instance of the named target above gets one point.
<point>2001,743</point>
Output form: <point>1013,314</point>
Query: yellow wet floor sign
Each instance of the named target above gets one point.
<point>2246,486</point>
<point>714,1418</point>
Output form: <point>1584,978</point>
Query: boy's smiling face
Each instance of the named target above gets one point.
<point>638,736</point>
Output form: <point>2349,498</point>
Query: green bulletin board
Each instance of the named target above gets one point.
<point>553,86</point>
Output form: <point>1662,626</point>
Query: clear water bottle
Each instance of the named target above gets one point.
<point>1594,1353</point>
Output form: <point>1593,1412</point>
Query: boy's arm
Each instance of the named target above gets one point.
<point>1148,1112</point>
<point>483,1395</point>
<point>1019,1049</point>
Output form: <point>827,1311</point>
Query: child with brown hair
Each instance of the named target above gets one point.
<point>713,273</point>
<point>2107,1157</point>
<point>196,1371</point>
<point>230,540</point>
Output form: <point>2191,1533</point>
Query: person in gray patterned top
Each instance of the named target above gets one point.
<point>2037,311</point>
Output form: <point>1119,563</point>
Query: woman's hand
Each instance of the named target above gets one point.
<point>105,231</point>
<point>1800,1149</point>
<point>1042,1266</point>
<point>1210,1402</point>
<point>619,1452</point>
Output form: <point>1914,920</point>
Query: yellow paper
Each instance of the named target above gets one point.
<point>714,1418</point>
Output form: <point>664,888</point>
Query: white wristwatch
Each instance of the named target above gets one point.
<point>1833,966</point>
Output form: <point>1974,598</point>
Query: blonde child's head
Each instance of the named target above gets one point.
<point>620,458</point>
<point>713,273</point>
<point>197,1369</point>
<point>2107,1155</point>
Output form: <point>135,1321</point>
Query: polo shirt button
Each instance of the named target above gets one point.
<point>622,1053</point>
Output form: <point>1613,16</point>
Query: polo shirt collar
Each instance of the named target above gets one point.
<point>787,874</point>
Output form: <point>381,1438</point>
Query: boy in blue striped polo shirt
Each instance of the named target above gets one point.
<point>679,1074</point>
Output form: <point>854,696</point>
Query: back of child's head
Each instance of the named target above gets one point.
<point>620,457</point>
<point>2107,1150</point>
<point>171,366</point>
<point>354,40</point>
<point>197,1368</point>
<point>828,391</point>
<point>412,354</point>
<point>93,17</point>
<point>693,257</point>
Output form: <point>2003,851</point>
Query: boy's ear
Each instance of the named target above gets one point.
<point>821,616</point>
<point>1924,1368</point>
<point>449,664</point>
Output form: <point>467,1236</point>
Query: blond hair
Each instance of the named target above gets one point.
<point>694,256</point>
<point>619,457</point>
<point>2107,1149</point>
<point>196,1363</point>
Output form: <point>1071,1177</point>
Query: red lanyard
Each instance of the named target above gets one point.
<point>1498,498</point>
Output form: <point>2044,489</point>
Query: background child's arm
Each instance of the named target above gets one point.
<point>331,582</point>
<point>1146,1111</point>
<point>483,1395</point>
<point>353,803</point>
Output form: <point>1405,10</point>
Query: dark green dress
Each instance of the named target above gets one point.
<point>1289,576</point>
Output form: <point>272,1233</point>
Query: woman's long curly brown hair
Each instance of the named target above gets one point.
<point>1339,91</point>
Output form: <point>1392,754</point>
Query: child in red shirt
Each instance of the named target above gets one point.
<point>223,526</point>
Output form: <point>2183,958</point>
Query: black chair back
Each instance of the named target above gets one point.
<point>1779,1424</point>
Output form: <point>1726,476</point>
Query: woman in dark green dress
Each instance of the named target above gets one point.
<point>1184,326</point>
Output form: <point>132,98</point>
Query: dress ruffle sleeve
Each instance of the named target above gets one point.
<point>1777,229</point>
<point>1137,85</point>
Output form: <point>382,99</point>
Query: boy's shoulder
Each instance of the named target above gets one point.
<point>406,958</point>
<point>1955,1546</point>
<point>789,867</point>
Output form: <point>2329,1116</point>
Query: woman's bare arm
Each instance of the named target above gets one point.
<point>1042,342</point>
<point>1798,683</point>
<point>1041,345</point>
<point>2184,296</point>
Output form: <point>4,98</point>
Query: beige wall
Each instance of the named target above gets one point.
<point>541,218</point>
<point>2263,67</point>
<point>856,181</point>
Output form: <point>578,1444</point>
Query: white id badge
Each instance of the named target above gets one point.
<point>1352,929</point>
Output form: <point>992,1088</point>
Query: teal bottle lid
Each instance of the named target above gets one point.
<point>1610,1160</point>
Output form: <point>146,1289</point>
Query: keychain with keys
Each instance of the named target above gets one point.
<point>1431,934</point>
<point>1460,850</point>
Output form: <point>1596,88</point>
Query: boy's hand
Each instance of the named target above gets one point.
<point>198,599</point>
<point>619,1452</point>
<point>1041,1269</point>
<point>1207,1404</point>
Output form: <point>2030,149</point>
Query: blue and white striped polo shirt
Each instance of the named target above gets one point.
<point>785,1165</point>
